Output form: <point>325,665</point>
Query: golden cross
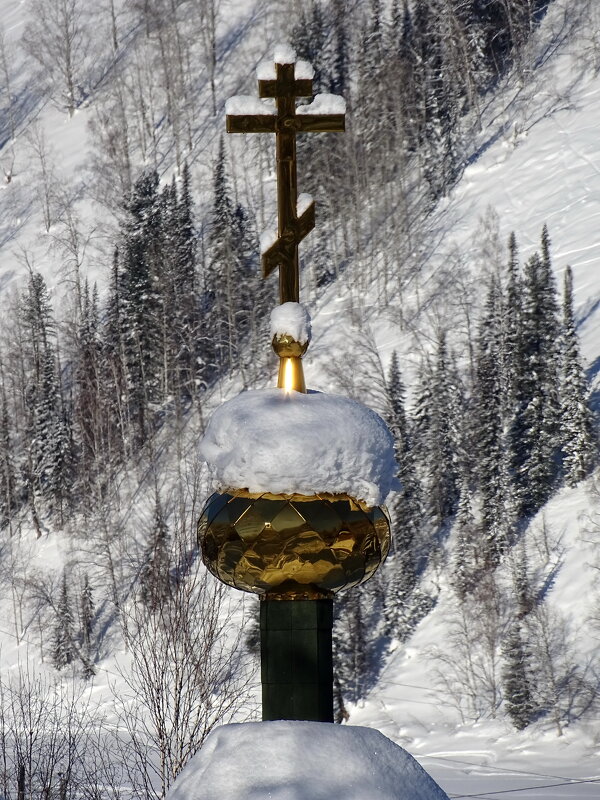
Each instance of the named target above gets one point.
<point>285,124</point>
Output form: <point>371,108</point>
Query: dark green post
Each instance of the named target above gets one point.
<point>296,659</point>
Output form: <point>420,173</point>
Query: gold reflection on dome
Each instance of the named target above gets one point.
<point>292,545</point>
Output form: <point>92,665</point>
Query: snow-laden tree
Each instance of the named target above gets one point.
<point>139,300</point>
<point>51,445</point>
<point>63,650</point>
<point>533,436</point>
<point>517,677</point>
<point>86,611</point>
<point>437,435</point>
<point>577,438</point>
<point>489,430</point>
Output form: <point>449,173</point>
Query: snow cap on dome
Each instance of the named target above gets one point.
<point>270,440</point>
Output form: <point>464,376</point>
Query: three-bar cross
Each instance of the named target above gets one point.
<point>285,124</point>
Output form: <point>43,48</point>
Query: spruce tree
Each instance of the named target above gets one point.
<point>141,256</point>
<point>51,444</point>
<point>87,413</point>
<point>488,429</point>
<point>87,624</point>
<point>516,678</point>
<point>62,645</point>
<point>185,331</point>
<point>576,426</point>
<point>407,508</point>
<point>534,424</point>
<point>439,438</point>
<point>465,551</point>
<point>8,498</point>
<point>155,575</point>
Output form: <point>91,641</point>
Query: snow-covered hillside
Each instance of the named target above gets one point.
<point>536,161</point>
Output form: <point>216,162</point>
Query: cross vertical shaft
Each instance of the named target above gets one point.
<point>285,87</point>
<point>287,189</point>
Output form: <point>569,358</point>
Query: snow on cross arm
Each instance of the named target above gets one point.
<point>242,104</point>
<point>269,440</point>
<point>324,104</point>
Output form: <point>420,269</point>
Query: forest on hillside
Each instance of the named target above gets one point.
<point>96,391</point>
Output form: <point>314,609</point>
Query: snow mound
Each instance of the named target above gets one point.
<point>292,319</point>
<point>270,440</point>
<point>302,761</point>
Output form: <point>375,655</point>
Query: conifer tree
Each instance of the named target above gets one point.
<point>489,433</point>
<point>155,576</point>
<point>533,428</point>
<point>185,331</point>
<point>51,444</point>
<point>8,498</point>
<point>139,301</point>
<point>511,329</point>
<point>62,645</point>
<point>576,426</point>
<point>464,558</point>
<point>439,438</point>
<point>407,506</point>
<point>523,591</point>
<point>87,412</point>
<point>87,624</point>
<point>516,677</point>
<point>231,291</point>
<point>113,380</point>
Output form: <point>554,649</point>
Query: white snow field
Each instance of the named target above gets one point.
<point>302,761</point>
<point>539,162</point>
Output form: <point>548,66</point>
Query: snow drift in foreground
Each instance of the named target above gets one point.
<point>270,440</point>
<point>302,761</point>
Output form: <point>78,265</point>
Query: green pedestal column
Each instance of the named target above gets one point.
<point>296,659</point>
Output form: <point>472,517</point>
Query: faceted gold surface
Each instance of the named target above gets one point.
<point>289,545</point>
<point>286,346</point>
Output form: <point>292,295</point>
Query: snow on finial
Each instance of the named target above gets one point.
<point>291,319</point>
<point>284,54</point>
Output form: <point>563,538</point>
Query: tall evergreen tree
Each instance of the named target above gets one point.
<point>533,428</point>
<point>51,444</point>
<point>8,498</point>
<point>489,432</point>
<point>465,551</point>
<point>517,679</point>
<point>155,576</point>
<point>87,625</point>
<point>232,295</point>
<point>407,506</point>
<point>63,650</point>
<point>438,437</point>
<point>185,331</point>
<point>140,302</point>
<point>576,425</point>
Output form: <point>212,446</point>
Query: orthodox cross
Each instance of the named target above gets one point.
<point>285,87</point>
